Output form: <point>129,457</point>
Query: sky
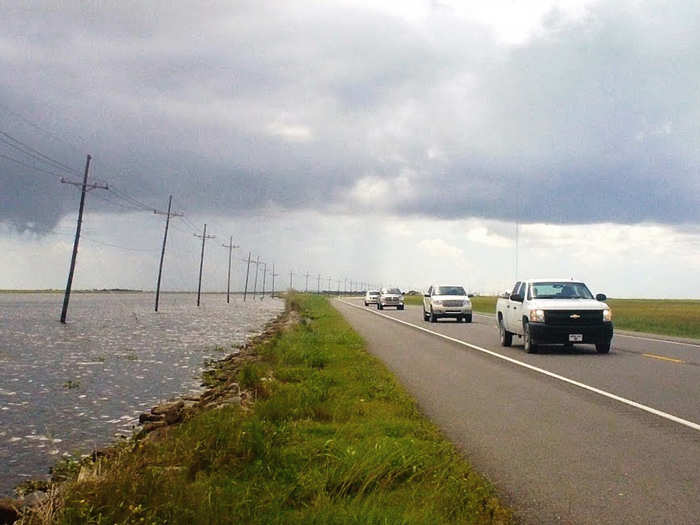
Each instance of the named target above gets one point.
<point>397,144</point>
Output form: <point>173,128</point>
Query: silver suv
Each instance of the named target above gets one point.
<point>371,297</point>
<point>390,297</point>
<point>446,301</point>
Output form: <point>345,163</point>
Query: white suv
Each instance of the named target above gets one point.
<point>390,297</point>
<point>371,297</point>
<point>446,301</point>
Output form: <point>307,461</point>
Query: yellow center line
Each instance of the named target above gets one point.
<point>663,358</point>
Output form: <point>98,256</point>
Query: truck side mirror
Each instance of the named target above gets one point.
<point>516,297</point>
<point>601,297</point>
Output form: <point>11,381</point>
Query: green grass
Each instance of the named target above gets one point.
<point>658,316</point>
<point>332,438</point>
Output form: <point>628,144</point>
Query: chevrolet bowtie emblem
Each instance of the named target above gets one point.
<point>575,316</point>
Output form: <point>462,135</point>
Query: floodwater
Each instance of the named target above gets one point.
<point>68,389</point>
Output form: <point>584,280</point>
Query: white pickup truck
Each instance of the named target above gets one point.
<point>554,311</point>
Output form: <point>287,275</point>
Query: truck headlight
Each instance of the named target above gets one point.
<point>467,303</point>
<point>437,302</point>
<point>607,315</point>
<point>537,316</point>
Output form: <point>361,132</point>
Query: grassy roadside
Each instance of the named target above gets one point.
<point>675,317</point>
<point>331,438</point>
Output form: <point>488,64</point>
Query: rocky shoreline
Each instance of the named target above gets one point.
<point>39,499</point>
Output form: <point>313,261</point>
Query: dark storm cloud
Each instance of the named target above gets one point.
<point>233,108</point>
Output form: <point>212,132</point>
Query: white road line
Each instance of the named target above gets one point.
<point>617,334</point>
<point>657,340</point>
<point>665,415</point>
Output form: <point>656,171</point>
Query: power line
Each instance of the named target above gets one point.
<point>26,149</point>
<point>30,166</point>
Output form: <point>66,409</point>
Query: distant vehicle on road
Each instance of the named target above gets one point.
<point>390,297</point>
<point>554,311</point>
<point>446,301</point>
<point>371,297</point>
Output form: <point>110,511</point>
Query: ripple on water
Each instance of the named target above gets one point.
<point>70,388</point>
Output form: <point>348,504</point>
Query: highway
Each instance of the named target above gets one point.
<point>566,435</point>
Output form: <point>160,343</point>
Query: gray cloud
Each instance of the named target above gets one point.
<point>235,107</point>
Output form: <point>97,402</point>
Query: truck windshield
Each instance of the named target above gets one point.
<point>450,290</point>
<point>394,290</point>
<point>561,290</point>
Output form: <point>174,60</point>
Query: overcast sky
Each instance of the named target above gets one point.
<point>395,144</point>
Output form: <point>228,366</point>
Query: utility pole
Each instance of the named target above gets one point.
<point>345,289</point>
<point>168,214</point>
<point>255,286</point>
<point>247,272</point>
<point>318,288</point>
<point>329,285</point>
<point>291,286</point>
<point>85,187</point>
<point>230,247</point>
<point>273,279</point>
<point>204,237</point>
<point>262,296</point>
<point>307,282</point>
<point>337,286</point>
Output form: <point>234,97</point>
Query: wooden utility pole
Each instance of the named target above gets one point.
<point>291,286</point>
<point>168,214</point>
<point>262,296</point>
<point>255,286</point>
<point>318,284</point>
<point>85,188</point>
<point>307,281</point>
<point>204,237</point>
<point>273,279</point>
<point>247,272</point>
<point>230,247</point>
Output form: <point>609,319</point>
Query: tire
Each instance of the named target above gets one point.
<point>467,318</point>
<point>433,317</point>
<point>530,346</point>
<point>505,336</point>
<point>602,348</point>
<point>400,307</point>
<point>379,306</point>
<point>425,315</point>
<point>366,304</point>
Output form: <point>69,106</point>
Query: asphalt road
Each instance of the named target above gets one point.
<point>572,436</point>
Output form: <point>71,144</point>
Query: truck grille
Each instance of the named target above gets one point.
<point>573,317</point>
<point>453,303</point>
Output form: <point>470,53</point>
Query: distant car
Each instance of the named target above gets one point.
<point>446,301</point>
<point>390,297</point>
<point>371,297</point>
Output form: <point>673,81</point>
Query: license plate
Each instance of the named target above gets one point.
<point>575,338</point>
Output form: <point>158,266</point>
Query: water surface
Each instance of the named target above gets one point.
<point>67,389</point>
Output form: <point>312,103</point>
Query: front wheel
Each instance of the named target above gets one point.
<point>602,348</point>
<point>400,307</point>
<point>468,318</point>
<point>530,346</point>
<point>366,303</point>
<point>505,336</point>
<point>425,314</point>
<point>433,317</point>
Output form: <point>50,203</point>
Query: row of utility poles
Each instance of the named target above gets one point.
<point>85,187</point>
